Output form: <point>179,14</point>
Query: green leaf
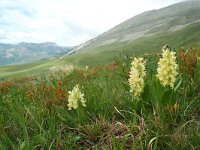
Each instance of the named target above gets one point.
<point>156,91</point>
<point>39,139</point>
<point>177,86</point>
<point>168,98</point>
<point>145,94</point>
<point>159,89</point>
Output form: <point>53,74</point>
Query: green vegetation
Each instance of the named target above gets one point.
<point>177,25</point>
<point>188,36</point>
<point>34,109</point>
<point>35,115</point>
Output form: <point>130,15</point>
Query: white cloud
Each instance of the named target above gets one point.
<point>67,22</point>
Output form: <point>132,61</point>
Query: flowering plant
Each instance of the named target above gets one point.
<point>167,68</point>
<point>74,97</point>
<point>137,75</point>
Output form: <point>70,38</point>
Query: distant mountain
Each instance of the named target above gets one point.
<point>177,25</point>
<point>26,52</point>
<point>174,18</point>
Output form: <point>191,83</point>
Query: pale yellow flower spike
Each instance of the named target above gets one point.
<point>74,96</point>
<point>137,74</point>
<point>167,68</point>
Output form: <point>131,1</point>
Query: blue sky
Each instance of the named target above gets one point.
<point>66,22</point>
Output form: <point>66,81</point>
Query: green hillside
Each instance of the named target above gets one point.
<point>36,112</point>
<point>177,25</point>
<point>186,37</point>
<point>135,87</point>
<point>171,18</point>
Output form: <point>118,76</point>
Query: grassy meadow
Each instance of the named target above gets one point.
<point>35,115</point>
<point>100,55</point>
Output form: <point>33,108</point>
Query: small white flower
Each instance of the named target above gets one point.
<point>167,68</point>
<point>86,67</point>
<point>74,96</point>
<point>137,74</point>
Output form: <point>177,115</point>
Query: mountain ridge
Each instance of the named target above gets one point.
<point>177,25</point>
<point>149,23</point>
<point>24,52</point>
